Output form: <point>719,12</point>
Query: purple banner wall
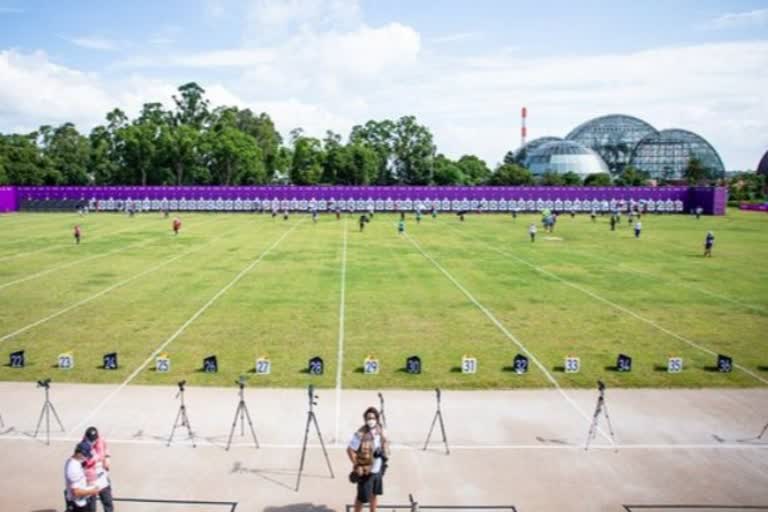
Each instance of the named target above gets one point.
<point>712,200</point>
<point>8,199</point>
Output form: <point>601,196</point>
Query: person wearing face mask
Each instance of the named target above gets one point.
<point>369,452</point>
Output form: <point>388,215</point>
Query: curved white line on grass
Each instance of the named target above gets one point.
<point>183,327</point>
<point>679,282</point>
<point>106,290</point>
<point>508,334</point>
<point>340,359</point>
<point>615,306</point>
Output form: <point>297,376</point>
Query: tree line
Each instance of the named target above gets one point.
<point>195,144</point>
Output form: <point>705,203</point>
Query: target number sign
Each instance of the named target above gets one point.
<point>675,365</point>
<point>163,364</point>
<point>263,366</point>
<point>371,366</point>
<point>66,361</point>
<point>468,365</point>
<point>572,364</point>
<point>17,359</point>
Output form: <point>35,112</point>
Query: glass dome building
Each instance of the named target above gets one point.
<point>614,137</point>
<point>762,167</point>
<point>666,154</point>
<point>561,156</point>
<point>530,146</point>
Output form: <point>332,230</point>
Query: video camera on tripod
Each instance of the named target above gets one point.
<point>241,381</point>
<point>601,386</point>
<point>45,383</point>
<point>312,396</point>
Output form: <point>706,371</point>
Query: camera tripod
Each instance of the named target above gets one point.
<point>242,414</point>
<point>312,419</point>
<point>438,415</point>
<point>46,411</point>
<point>381,411</point>
<point>600,407</point>
<point>182,420</point>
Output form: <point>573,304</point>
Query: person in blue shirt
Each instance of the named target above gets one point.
<point>708,243</point>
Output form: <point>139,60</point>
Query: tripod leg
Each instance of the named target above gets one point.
<point>593,426</point>
<point>445,438</point>
<point>56,415</point>
<point>303,452</point>
<point>2,424</point>
<point>429,435</point>
<point>47,424</point>
<point>39,421</point>
<point>189,426</point>
<point>608,420</point>
<point>765,428</point>
<point>173,430</point>
<point>322,444</point>
<point>232,430</point>
<point>250,424</point>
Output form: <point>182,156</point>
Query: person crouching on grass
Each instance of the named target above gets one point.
<point>369,453</point>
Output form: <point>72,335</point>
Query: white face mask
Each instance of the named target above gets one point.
<point>371,423</point>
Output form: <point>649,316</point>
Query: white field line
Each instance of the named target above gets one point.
<point>181,329</point>
<point>508,334</point>
<point>202,441</point>
<point>77,261</point>
<point>51,247</point>
<point>106,290</point>
<point>340,357</point>
<point>613,305</point>
<point>679,282</point>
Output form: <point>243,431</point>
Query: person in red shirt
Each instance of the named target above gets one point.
<point>176,226</point>
<point>77,234</point>
<point>96,468</point>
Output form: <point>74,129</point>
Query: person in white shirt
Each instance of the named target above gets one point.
<point>369,452</point>
<point>532,232</point>
<point>78,494</point>
<point>638,228</point>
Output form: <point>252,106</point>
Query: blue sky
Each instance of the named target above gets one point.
<point>463,68</point>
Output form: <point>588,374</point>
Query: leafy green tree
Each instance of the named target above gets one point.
<point>68,153</point>
<point>695,172</point>
<point>598,180</point>
<point>571,179</point>
<point>307,163</point>
<point>263,130</point>
<point>379,136</point>
<point>511,175</point>
<point>632,177</point>
<point>448,172</point>
<point>22,160</point>
<point>233,157</point>
<point>362,166</point>
<point>182,149</point>
<point>413,152</point>
<point>747,186</point>
<point>474,169</point>
<point>191,105</point>
<point>551,179</point>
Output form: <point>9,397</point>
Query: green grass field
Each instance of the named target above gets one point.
<point>131,287</point>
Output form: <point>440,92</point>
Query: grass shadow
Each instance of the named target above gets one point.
<point>713,369</point>
<point>456,369</point>
<point>659,368</point>
<point>560,369</point>
<point>762,368</point>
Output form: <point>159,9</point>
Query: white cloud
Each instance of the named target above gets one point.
<point>757,17</point>
<point>94,43</point>
<point>333,79</point>
<point>453,38</point>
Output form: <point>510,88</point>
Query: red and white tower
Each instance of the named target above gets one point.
<point>523,129</point>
